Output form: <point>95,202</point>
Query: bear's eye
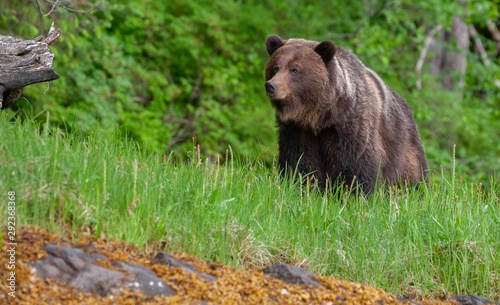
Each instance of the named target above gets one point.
<point>276,69</point>
<point>294,71</point>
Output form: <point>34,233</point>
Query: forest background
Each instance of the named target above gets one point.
<point>168,71</point>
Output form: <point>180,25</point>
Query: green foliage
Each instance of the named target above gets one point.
<point>168,71</point>
<point>241,213</point>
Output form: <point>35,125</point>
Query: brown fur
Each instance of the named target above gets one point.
<point>337,118</point>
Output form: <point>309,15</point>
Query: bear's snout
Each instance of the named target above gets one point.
<point>271,88</point>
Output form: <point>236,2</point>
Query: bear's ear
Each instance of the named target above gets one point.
<point>326,50</point>
<point>273,43</point>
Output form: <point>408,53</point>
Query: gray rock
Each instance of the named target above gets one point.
<point>144,279</point>
<point>461,299</point>
<point>167,260</point>
<point>47,271</point>
<point>133,268</point>
<point>97,279</point>
<point>75,266</point>
<point>292,275</point>
<point>408,300</point>
<point>74,257</point>
<point>148,285</point>
<point>199,302</point>
<point>471,300</point>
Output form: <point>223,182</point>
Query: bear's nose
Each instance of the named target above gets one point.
<point>271,87</point>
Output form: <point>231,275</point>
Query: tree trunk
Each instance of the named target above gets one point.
<point>23,63</point>
<point>449,61</point>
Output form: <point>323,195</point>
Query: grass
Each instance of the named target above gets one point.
<point>239,212</point>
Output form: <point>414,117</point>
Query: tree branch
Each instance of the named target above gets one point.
<point>495,34</point>
<point>478,45</point>
<point>23,63</point>
<point>59,3</point>
<point>423,53</point>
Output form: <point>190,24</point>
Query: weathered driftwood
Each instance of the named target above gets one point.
<point>23,63</point>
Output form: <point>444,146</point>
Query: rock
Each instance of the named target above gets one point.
<point>75,266</point>
<point>167,260</point>
<point>144,279</point>
<point>471,300</point>
<point>148,285</point>
<point>460,299</point>
<point>54,267</point>
<point>99,280</point>
<point>292,275</point>
<point>133,268</point>
<point>199,302</point>
<point>408,301</point>
<point>74,257</point>
<point>46,271</point>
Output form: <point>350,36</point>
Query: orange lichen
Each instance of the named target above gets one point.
<point>234,286</point>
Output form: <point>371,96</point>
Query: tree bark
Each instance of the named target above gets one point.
<point>450,62</point>
<point>23,63</point>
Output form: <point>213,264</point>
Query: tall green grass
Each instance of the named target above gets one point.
<point>241,213</point>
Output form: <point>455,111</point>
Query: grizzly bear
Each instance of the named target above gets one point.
<point>337,119</point>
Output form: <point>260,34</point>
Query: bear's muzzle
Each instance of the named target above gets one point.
<point>271,88</point>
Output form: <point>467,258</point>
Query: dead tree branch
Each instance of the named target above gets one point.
<point>495,34</point>
<point>61,4</point>
<point>478,45</point>
<point>23,63</point>
<point>423,53</point>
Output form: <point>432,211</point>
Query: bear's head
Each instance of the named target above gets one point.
<point>297,78</point>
